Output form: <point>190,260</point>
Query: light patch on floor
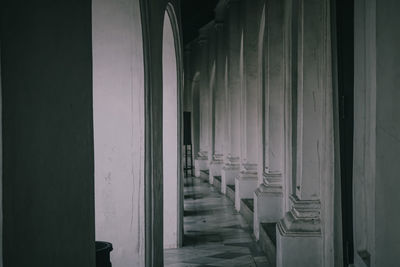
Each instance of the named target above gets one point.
<point>215,234</point>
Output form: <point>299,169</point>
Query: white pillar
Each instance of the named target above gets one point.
<point>195,116</point>
<point>119,135</point>
<point>299,234</point>
<point>219,104</point>
<point>268,198</point>
<point>201,161</point>
<point>215,162</point>
<point>246,182</point>
<point>187,94</point>
<point>232,161</point>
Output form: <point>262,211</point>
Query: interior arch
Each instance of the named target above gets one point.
<point>172,182</point>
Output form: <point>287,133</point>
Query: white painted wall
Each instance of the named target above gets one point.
<point>170,136</point>
<point>118,105</point>
<point>377,132</point>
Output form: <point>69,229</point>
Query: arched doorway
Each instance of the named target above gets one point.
<point>172,143</point>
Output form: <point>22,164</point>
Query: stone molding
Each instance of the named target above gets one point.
<point>232,163</point>
<point>202,155</point>
<point>303,219</point>
<point>248,171</point>
<point>272,182</point>
<point>217,159</point>
<point>268,190</point>
<point>272,178</point>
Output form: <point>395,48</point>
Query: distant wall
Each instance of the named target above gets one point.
<point>46,72</point>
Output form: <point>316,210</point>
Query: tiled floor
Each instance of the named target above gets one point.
<point>215,234</point>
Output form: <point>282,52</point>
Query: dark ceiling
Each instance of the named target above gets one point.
<point>195,14</point>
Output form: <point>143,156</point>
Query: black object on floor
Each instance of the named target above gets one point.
<point>103,250</point>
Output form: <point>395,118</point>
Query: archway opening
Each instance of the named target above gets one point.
<point>171,143</point>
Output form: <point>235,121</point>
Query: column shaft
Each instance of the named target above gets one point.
<point>299,233</point>
<point>233,98</point>
<point>204,96</point>
<point>268,198</point>
<point>234,83</point>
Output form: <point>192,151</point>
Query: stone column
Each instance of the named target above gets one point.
<point>232,161</point>
<point>212,46</point>
<point>299,233</point>
<point>201,161</point>
<point>268,198</point>
<point>246,182</point>
<point>219,104</point>
<point>195,86</point>
<point>187,94</point>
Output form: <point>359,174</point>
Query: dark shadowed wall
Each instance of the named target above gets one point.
<point>48,202</point>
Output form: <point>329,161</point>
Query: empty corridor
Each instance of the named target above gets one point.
<point>215,233</point>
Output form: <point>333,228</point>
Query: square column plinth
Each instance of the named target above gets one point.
<point>245,184</point>
<point>306,248</point>
<point>200,163</point>
<point>216,167</point>
<point>268,206</point>
<point>268,201</point>
<point>229,172</point>
<point>298,236</point>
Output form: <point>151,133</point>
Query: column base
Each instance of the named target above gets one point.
<point>229,172</point>
<point>268,206</point>
<point>196,168</point>
<point>245,184</point>
<point>216,167</point>
<point>268,200</point>
<point>200,163</point>
<point>298,236</point>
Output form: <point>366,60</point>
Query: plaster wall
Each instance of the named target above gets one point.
<point>388,132</point>
<point>118,95</point>
<point>48,182</point>
<point>170,137</point>
<point>364,171</point>
<point>377,129</point>
<point>153,12</point>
